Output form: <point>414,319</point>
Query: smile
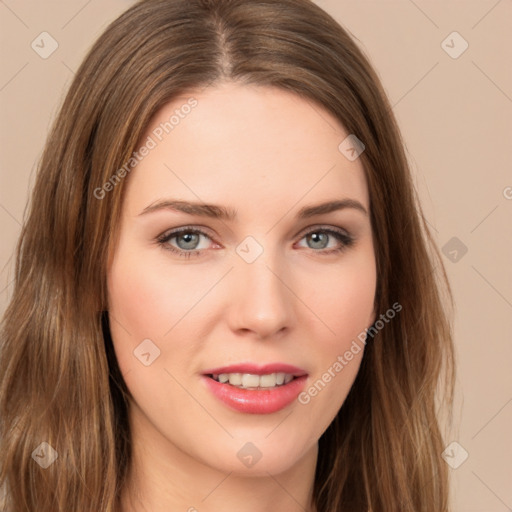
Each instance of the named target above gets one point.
<point>252,381</point>
<point>253,389</point>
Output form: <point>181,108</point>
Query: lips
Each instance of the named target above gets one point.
<point>236,386</point>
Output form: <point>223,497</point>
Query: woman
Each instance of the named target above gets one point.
<point>225,288</point>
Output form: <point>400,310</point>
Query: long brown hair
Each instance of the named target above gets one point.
<point>59,382</point>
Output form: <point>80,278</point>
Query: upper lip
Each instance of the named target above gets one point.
<point>256,369</point>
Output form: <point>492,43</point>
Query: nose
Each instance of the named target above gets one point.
<point>261,301</point>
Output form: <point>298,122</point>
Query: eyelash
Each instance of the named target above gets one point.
<point>346,240</point>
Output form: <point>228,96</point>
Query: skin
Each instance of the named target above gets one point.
<point>265,153</point>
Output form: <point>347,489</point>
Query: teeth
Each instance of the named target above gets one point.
<point>266,381</point>
<point>235,379</point>
<point>251,381</point>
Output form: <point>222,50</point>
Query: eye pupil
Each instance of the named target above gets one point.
<point>190,242</point>
<point>317,238</point>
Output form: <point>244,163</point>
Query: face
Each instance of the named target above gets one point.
<point>257,283</point>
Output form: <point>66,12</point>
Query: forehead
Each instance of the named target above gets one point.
<point>245,145</point>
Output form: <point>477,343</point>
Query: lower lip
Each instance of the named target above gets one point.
<point>257,401</point>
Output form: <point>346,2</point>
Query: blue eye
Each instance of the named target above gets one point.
<point>320,238</point>
<point>187,240</point>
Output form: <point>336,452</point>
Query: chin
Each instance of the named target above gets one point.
<point>259,455</point>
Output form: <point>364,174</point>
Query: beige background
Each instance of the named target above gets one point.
<point>456,119</point>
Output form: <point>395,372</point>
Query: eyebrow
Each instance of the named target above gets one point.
<point>229,214</point>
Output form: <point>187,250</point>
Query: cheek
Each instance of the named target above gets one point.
<point>347,313</point>
<point>153,300</point>
<point>143,306</point>
<point>345,304</point>
<point>139,306</point>
<point>147,299</point>
<point>134,300</point>
<point>351,311</point>
<point>343,299</point>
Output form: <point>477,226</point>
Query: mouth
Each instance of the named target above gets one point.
<point>253,381</point>
<point>249,388</point>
